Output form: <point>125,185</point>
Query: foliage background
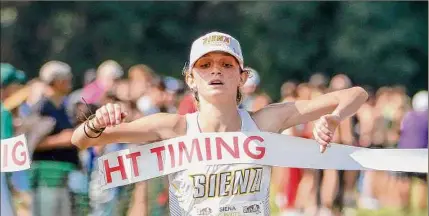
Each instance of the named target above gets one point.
<point>375,43</point>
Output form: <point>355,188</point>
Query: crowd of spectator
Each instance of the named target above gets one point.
<point>63,180</point>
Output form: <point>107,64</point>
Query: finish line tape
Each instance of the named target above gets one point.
<point>14,154</point>
<point>148,161</point>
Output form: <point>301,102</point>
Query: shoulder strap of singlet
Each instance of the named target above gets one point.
<point>248,124</point>
<point>192,123</point>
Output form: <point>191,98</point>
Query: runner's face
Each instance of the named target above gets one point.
<point>217,75</point>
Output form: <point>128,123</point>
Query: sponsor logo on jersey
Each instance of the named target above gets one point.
<point>255,208</point>
<point>204,211</point>
<point>227,208</point>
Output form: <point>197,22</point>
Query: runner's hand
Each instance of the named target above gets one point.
<point>324,129</point>
<point>109,115</point>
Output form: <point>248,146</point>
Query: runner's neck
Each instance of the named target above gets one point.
<point>224,118</point>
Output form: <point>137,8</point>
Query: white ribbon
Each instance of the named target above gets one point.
<point>169,156</point>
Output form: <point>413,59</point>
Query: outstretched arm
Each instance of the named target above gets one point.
<point>147,129</point>
<point>331,108</point>
<point>342,103</point>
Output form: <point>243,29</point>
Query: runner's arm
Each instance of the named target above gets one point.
<point>280,116</point>
<point>144,130</point>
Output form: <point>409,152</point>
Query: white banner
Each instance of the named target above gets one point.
<point>14,154</point>
<point>169,156</point>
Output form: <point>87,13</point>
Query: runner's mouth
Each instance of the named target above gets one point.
<point>215,82</point>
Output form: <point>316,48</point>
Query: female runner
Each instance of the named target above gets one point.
<point>215,75</point>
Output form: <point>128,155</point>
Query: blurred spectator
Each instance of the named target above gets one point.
<point>288,91</point>
<point>154,101</point>
<point>289,179</point>
<point>11,78</point>
<point>54,157</point>
<point>420,101</point>
<point>20,104</point>
<point>173,87</point>
<point>260,101</point>
<point>187,104</point>
<point>308,185</point>
<point>369,123</point>
<point>36,89</point>
<point>303,91</point>
<point>102,202</point>
<point>414,134</point>
<point>337,186</point>
<point>107,73</point>
<point>144,94</point>
<point>394,113</point>
<point>249,89</point>
<point>141,78</point>
<point>76,96</point>
<point>122,90</point>
<point>340,81</point>
<point>318,80</point>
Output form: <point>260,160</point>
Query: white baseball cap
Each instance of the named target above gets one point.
<point>110,68</point>
<point>216,41</point>
<point>420,101</point>
<point>54,70</point>
<point>253,79</point>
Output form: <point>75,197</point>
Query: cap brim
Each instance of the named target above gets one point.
<point>216,49</point>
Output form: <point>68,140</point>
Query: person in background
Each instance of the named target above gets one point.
<point>19,103</point>
<point>121,90</point>
<point>141,78</point>
<point>369,124</point>
<point>393,108</point>
<point>318,80</point>
<point>11,78</point>
<point>35,90</point>
<point>260,101</point>
<point>173,87</point>
<point>107,73</point>
<point>285,180</point>
<point>337,186</point>
<point>288,91</point>
<point>249,89</point>
<point>395,112</point>
<point>296,185</point>
<point>150,93</point>
<point>75,97</point>
<point>154,100</point>
<point>187,104</point>
<point>306,191</point>
<point>54,158</point>
<point>102,202</point>
<point>414,134</point>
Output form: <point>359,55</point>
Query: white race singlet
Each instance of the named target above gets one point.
<point>239,190</point>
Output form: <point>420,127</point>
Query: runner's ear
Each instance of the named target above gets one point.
<point>189,78</point>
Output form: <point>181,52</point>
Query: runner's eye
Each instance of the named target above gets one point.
<point>227,65</point>
<point>205,65</point>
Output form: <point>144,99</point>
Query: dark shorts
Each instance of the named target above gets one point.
<point>410,175</point>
